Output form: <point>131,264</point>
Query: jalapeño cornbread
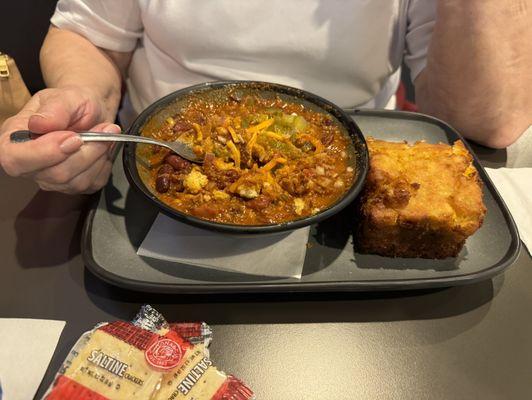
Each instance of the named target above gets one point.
<point>421,200</point>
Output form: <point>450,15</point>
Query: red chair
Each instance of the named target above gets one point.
<point>402,103</point>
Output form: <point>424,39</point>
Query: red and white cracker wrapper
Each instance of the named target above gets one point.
<point>147,359</point>
<point>152,320</point>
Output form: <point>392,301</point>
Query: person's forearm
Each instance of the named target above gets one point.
<point>68,59</point>
<point>479,69</point>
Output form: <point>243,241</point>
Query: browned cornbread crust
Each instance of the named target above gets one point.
<point>421,200</point>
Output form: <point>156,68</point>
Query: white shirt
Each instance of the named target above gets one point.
<point>347,51</point>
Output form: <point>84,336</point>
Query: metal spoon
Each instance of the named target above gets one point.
<point>180,148</point>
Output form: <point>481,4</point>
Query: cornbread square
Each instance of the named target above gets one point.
<point>422,200</point>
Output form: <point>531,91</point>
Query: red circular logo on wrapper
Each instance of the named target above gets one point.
<point>164,354</point>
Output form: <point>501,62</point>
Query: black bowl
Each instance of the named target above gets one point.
<point>169,104</point>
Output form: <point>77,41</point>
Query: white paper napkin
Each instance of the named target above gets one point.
<point>515,187</point>
<point>278,255</point>
<point>26,348</point>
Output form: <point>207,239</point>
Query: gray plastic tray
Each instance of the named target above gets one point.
<point>117,224</point>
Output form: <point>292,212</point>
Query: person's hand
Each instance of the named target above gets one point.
<point>58,160</point>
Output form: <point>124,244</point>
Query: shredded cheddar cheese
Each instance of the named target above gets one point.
<point>276,136</point>
<point>251,143</point>
<point>233,134</point>
<point>273,163</point>
<point>235,153</point>
<point>263,125</point>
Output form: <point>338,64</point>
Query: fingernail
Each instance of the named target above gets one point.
<point>71,144</point>
<point>112,128</point>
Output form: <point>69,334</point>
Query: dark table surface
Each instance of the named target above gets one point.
<point>467,342</point>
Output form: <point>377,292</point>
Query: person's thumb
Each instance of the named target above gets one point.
<point>62,110</point>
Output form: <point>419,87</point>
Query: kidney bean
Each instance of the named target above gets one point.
<point>208,165</point>
<point>225,178</point>
<point>205,211</point>
<point>162,183</point>
<point>232,175</point>
<point>165,169</point>
<point>181,126</point>
<point>177,181</point>
<point>259,203</point>
<point>179,163</point>
<point>327,137</point>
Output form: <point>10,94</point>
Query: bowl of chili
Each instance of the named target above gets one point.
<point>275,158</point>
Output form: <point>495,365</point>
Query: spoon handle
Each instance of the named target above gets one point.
<point>25,136</point>
<point>117,137</point>
<point>183,149</point>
